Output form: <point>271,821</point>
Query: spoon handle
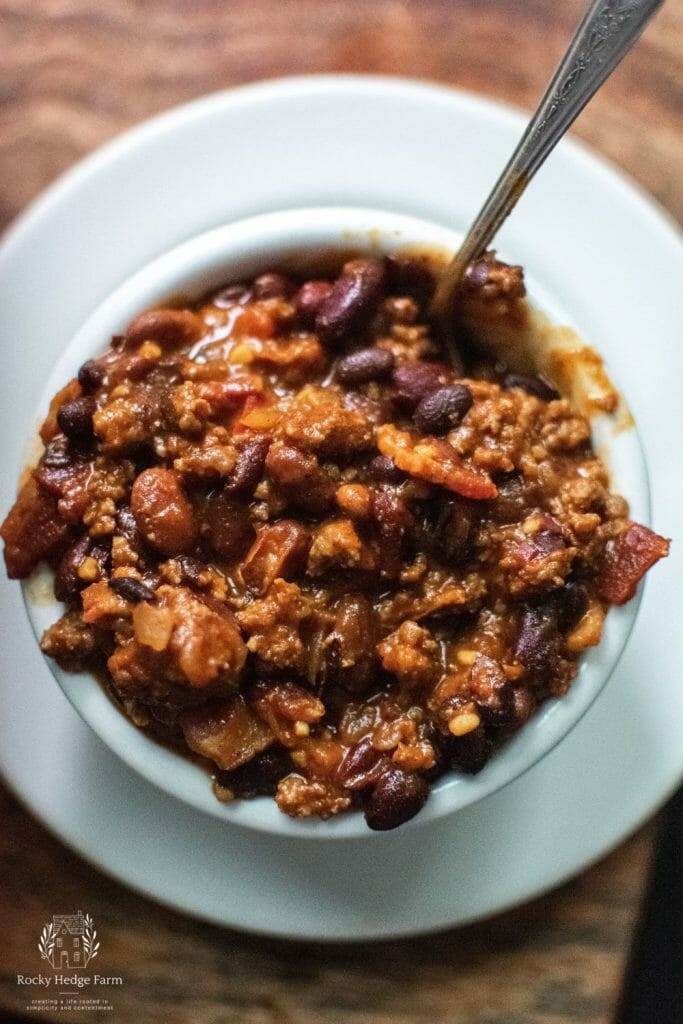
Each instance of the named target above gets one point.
<point>608,31</point>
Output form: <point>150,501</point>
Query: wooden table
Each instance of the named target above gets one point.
<point>73,74</point>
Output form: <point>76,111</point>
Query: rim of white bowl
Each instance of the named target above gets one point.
<point>241,249</point>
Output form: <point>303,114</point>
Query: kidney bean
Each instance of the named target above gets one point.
<point>397,796</point>
<point>351,644</point>
<point>230,531</point>
<point>443,409</point>
<point>162,511</point>
<point>310,298</point>
<point>414,381</point>
<point>353,299</point>
<point>538,641</point>
<point>273,286</point>
<point>394,521</point>
<point>364,365</point>
<point>533,385</point>
<point>67,582</point>
<point>258,777</point>
<point>168,327</point>
<point>75,419</point>
<point>362,766</point>
<point>233,295</point>
<point>249,467</point>
<point>385,470</point>
<point>409,275</point>
<point>91,375</point>
<point>131,589</point>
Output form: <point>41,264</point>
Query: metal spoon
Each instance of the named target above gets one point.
<point>608,31</point>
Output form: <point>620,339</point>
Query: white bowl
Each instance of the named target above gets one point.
<point>234,252</point>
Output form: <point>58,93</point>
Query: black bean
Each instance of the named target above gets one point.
<point>364,365</point>
<point>90,375</point>
<point>397,797</point>
<point>273,286</point>
<point>258,777</point>
<point>131,589</point>
<point>571,602</point>
<point>249,467</point>
<point>414,381</point>
<point>310,298</point>
<point>67,583</point>
<point>533,385</point>
<point>385,470</point>
<point>191,570</point>
<point>409,275</point>
<point>447,530</point>
<point>538,641</point>
<point>443,409</point>
<point>468,753</point>
<point>353,299</point>
<point>75,419</point>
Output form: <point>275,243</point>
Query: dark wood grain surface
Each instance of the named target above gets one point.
<point>74,73</point>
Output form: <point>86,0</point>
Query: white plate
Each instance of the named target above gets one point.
<point>612,264</point>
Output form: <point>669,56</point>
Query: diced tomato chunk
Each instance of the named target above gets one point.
<point>627,558</point>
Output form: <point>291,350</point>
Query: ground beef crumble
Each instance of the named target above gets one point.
<point>298,545</point>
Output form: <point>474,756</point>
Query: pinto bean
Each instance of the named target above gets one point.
<point>397,797</point>
<point>533,385</point>
<point>440,411</point>
<point>230,531</point>
<point>168,327</point>
<point>75,420</point>
<point>162,511</point>
<point>364,365</point>
<point>414,381</point>
<point>353,299</point>
<point>300,478</point>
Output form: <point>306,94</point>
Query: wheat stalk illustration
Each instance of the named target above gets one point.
<point>90,944</point>
<point>47,943</point>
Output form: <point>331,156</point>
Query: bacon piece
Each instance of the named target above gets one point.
<point>627,558</point>
<point>32,530</point>
<point>435,461</point>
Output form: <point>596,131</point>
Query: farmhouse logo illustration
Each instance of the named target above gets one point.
<point>69,940</point>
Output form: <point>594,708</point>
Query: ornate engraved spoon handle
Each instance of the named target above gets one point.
<point>608,31</point>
